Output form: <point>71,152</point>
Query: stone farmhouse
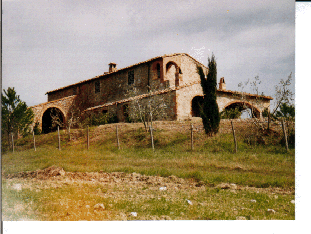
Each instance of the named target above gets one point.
<point>171,76</point>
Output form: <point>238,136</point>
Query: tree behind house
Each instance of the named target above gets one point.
<point>286,111</point>
<point>16,116</point>
<point>210,111</point>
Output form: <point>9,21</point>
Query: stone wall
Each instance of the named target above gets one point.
<point>62,104</point>
<point>184,99</point>
<point>176,75</point>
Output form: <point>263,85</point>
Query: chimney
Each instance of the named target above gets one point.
<point>112,67</point>
<point>222,84</point>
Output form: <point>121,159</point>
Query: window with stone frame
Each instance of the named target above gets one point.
<point>131,77</point>
<point>97,86</point>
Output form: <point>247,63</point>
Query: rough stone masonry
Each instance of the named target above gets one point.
<point>171,76</point>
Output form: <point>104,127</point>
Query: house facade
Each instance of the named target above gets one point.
<point>173,77</point>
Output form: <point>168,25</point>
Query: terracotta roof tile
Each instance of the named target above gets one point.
<point>128,67</point>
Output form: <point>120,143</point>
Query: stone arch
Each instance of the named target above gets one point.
<point>47,119</point>
<point>177,73</point>
<point>169,66</point>
<point>196,102</point>
<point>244,105</point>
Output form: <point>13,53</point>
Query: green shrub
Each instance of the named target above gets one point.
<point>290,140</point>
<point>95,119</point>
<point>231,113</point>
<point>37,129</point>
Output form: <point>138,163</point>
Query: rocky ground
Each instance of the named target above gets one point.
<point>117,186</point>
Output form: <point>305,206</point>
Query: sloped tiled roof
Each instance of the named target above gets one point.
<point>136,64</point>
<point>246,94</point>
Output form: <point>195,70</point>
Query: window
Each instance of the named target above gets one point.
<point>131,77</point>
<point>158,70</point>
<point>97,86</point>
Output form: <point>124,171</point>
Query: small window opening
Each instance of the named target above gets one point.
<point>97,86</point>
<point>131,77</point>
<point>158,70</point>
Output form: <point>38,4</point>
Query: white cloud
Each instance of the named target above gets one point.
<point>56,43</point>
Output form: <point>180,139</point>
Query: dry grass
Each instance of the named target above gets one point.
<point>211,163</point>
<point>114,196</point>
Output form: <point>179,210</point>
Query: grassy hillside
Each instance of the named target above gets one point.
<point>173,182</point>
<point>212,161</point>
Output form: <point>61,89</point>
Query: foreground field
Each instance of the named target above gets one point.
<point>53,194</point>
<point>104,183</point>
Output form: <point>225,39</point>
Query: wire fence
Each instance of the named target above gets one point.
<point>249,131</point>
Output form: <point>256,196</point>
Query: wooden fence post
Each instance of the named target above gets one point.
<point>269,120</point>
<point>58,137</point>
<point>34,140</point>
<point>12,142</point>
<point>117,135</point>
<point>285,135</point>
<point>192,147</point>
<point>88,138</point>
<point>234,137</point>
<point>151,135</point>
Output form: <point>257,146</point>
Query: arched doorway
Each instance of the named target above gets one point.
<point>52,118</point>
<point>196,104</point>
<point>247,110</point>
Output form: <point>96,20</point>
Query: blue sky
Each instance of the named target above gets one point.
<point>50,44</point>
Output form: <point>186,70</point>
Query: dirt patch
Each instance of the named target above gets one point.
<point>58,174</point>
<point>114,196</point>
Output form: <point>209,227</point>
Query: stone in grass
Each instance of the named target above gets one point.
<point>134,214</point>
<point>223,186</point>
<point>253,200</point>
<point>99,206</point>
<point>227,186</point>
<point>163,188</point>
<point>241,218</point>
<point>271,211</point>
<point>189,202</point>
<point>233,186</point>
<point>292,201</point>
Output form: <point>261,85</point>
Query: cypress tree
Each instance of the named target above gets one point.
<point>209,110</point>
